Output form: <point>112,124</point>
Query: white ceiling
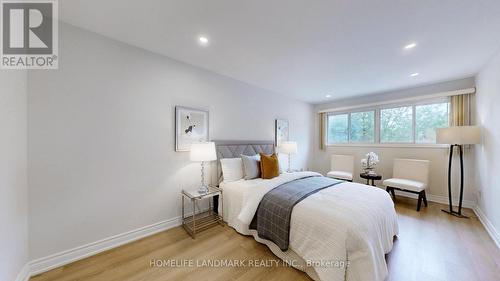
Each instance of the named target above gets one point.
<point>307,49</point>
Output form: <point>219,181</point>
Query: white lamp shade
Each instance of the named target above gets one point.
<point>287,147</point>
<point>459,135</point>
<point>201,152</point>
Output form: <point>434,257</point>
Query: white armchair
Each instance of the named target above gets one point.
<point>409,175</point>
<point>342,167</point>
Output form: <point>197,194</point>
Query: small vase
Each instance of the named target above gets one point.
<point>369,171</point>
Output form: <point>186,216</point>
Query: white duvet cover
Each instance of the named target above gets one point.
<point>347,222</point>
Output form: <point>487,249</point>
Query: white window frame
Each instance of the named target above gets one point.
<point>348,127</point>
<point>377,138</point>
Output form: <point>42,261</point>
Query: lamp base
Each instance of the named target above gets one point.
<point>454,213</point>
<point>450,211</point>
<point>203,189</point>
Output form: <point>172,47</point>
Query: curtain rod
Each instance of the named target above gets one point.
<point>431,96</point>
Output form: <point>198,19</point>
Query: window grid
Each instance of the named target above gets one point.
<point>377,122</point>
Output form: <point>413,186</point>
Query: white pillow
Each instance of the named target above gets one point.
<point>232,169</point>
<point>251,166</point>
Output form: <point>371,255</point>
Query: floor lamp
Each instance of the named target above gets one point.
<point>458,137</point>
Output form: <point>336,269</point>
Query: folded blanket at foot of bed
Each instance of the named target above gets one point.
<point>272,219</point>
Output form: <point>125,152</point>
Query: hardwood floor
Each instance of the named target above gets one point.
<point>431,246</point>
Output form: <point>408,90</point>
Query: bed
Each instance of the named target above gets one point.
<point>337,233</point>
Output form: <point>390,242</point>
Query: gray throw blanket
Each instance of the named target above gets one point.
<point>272,218</point>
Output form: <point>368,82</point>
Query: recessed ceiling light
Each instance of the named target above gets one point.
<point>328,96</point>
<point>203,40</point>
<point>415,74</point>
<point>410,46</point>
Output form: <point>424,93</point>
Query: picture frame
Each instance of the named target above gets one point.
<point>281,131</point>
<point>191,126</point>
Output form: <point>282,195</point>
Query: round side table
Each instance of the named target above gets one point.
<point>370,177</point>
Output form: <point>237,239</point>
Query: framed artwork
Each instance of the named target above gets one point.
<point>191,126</point>
<point>281,131</point>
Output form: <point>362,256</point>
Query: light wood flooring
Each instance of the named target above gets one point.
<point>431,246</point>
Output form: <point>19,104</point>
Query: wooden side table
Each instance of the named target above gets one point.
<point>370,177</point>
<point>199,221</point>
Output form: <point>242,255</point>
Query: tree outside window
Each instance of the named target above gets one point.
<point>363,127</point>
<point>430,117</point>
<point>396,125</point>
<point>338,126</point>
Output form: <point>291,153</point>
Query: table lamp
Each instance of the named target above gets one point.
<point>289,148</point>
<point>203,152</point>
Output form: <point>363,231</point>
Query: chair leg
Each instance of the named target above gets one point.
<point>390,190</point>
<point>425,198</point>
<point>420,197</point>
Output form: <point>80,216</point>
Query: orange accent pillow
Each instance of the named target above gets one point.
<point>269,166</point>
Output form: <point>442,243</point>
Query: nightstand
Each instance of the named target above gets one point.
<point>198,221</point>
<point>370,177</point>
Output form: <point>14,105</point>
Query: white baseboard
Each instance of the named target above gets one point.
<point>444,200</point>
<point>24,275</point>
<point>56,260</point>
<point>494,234</point>
<point>438,199</point>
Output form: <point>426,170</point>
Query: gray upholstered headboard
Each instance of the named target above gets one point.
<point>233,149</point>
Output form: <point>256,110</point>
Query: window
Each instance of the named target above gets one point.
<point>356,127</point>
<point>362,127</point>
<point>411,123</point>
<point>396,125</point>
<point>338,126</point>
<point>428,118</point>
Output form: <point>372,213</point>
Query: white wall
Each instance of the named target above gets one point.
<point>13,174</point>
<point>101,146</point>
<point>438,185</point>
<point>488,154</point>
